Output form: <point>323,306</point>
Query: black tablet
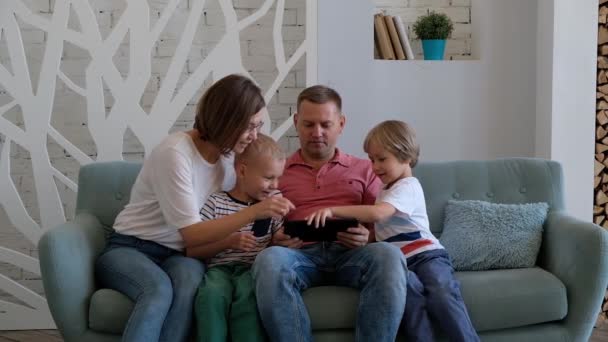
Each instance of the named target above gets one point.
<point>300,229</point>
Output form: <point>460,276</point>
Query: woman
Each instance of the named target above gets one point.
<point>148,256</point>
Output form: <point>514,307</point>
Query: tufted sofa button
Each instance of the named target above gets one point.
<point>118,196</point>
<point>523,190</point>
<point>490,194</point>
<point>456,195</point>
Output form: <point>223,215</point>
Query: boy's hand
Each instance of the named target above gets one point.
<point>319,217</point>
<point>244,241</point>
<point>354,237</point>
<point>279,238</point>
<point>274,206</point>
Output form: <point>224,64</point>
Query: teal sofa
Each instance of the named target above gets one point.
<point>558,300</point>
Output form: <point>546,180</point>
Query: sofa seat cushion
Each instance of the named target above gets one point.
<point>497,299</point>
<point>501,299</point>
<point>331,307</point>
<point>109,311</point>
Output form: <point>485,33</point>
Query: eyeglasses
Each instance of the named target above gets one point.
<point>254,127</point>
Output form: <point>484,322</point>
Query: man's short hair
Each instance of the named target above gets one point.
<point>320,94</point>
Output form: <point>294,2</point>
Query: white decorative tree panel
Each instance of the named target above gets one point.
<point>98,80</point>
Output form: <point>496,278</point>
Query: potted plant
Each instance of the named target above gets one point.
<point>433,29</point>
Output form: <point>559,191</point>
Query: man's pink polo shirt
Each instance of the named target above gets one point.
<point>344,180</point>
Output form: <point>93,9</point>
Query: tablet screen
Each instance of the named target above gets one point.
<point>300,229</point>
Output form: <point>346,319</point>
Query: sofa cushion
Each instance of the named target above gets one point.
<point>496,299</point>
<point>500,299</point>
<point>483,236</point>
<point>105,188</point>
<point>511,180</point>
<point>331,307</point>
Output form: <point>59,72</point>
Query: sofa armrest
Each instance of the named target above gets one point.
<point>577,253</point>
<point>67,262</point>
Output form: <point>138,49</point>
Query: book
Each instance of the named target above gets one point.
<point>384,42</point>
<point>392,32</point>
<point>376,51</point>
<point>405,42</point>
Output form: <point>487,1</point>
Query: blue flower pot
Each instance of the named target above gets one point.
<point>434,49</point>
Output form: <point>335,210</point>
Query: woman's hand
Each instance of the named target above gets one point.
<point>274,206</point>
<point>319,217</point>
<point>244,241</point>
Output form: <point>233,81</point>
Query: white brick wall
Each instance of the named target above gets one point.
<point>69,116</point>
<point>458,46</point>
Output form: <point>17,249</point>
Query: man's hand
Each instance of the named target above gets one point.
<point>319,217</point>
<point>244,241</point>
<point>279,238</point>
<point>354,237</point>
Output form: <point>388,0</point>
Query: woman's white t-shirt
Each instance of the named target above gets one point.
<point>169,191</point>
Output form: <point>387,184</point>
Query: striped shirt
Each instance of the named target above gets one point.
<point>408,228</point>
<point>220,204</point>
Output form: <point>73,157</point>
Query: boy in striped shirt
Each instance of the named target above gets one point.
<point>400,217</point>
<point>225,305</point>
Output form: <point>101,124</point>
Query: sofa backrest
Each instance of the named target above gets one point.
<point>512,181</point>
<point>104,188</point>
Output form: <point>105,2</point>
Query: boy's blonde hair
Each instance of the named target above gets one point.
<point>262,146</point>
<point>397,137</point>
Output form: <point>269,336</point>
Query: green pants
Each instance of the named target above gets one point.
<point>225,306</point>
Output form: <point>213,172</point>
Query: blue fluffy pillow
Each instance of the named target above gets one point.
<point>483,236</point>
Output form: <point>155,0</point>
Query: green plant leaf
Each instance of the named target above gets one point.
<point>433,26</point>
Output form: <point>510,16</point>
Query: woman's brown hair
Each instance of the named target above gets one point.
<point>224,110</point>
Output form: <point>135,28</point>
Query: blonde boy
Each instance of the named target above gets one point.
<point>400,218</point>
<point>225,304</point>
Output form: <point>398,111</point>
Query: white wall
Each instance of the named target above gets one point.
<point>571,69</point>
<point>461,109</point>
<point>544,78</point>
<point>529,94</point>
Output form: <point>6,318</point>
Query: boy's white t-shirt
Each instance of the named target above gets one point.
<point>172,186</point>
<point>408,228</point>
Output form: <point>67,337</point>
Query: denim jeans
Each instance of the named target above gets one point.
<point>161,281</point>
<point>434,292</point>
<point>377,270</point>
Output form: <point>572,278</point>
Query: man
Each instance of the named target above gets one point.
<point>316,176</point>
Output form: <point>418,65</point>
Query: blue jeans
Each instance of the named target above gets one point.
<point>433,291</point>
<point>377,270</point>
<point>161,281</point>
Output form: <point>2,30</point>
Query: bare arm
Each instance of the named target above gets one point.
<point>244,241</point>
<point>205,232</point>
<point>364,213</point>
<point>208,250</point>
<point>355,236</point>
<point>211,231</point>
